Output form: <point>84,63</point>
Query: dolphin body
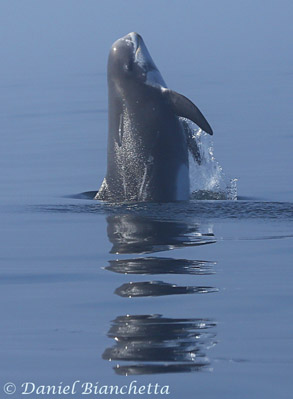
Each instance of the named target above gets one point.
<point>149,137</point>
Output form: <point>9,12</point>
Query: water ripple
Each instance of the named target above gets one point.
<point>179,210</point>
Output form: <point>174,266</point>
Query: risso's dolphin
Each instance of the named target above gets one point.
<point>149,137</point>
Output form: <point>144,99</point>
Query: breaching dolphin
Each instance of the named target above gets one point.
<point>149,137</point>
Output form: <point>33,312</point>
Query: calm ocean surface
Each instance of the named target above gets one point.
<point>197,295</point>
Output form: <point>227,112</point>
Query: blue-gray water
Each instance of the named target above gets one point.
<point>84,282</point>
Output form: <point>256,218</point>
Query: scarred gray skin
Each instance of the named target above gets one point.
<point>147,141</point>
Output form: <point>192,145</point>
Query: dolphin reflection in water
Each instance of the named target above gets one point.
<point>152,343</point>
<point>137,234</point>
<point>132,233</point>
<point>156,344</point>
<point>159,265</point>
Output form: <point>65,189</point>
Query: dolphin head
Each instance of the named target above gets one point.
<point>129,60</point>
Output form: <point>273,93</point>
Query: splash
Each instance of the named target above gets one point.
<point>208,180</point>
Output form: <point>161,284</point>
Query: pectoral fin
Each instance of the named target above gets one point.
<point>191,142</point>
<point>185,108</point>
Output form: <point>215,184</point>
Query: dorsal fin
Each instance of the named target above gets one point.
<point>185,108</point>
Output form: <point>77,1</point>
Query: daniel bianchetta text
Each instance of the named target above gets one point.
<point>96,388</point>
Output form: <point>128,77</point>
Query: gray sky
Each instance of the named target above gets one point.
<point>72,35</point>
